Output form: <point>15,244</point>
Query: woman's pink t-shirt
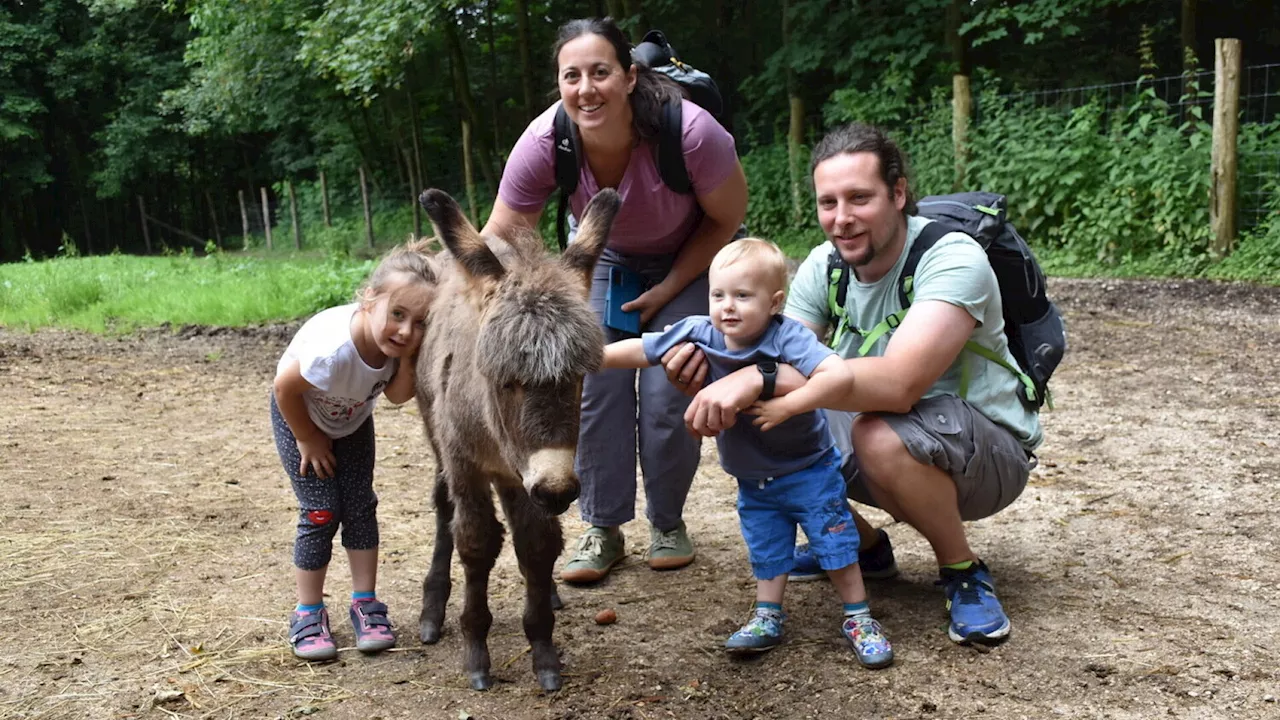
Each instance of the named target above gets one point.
<point>653,220</point>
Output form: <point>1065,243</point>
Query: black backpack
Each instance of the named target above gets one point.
<point>657,54</point>
<point>1034,327</point>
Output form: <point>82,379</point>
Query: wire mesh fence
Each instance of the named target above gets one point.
<point>1258,143</point>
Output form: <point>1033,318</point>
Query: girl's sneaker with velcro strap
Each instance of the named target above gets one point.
<point>373,628</point>
<point>309,636</point>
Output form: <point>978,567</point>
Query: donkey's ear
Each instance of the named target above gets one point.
<point>593,233</point>
<point>464,243</point>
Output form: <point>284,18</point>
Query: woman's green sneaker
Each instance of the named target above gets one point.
<point>671,549</point>
<point>599,549</point>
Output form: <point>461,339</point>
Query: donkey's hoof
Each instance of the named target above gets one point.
<point>429,632</point>
<point>549,680</point>
<point>481,680</point>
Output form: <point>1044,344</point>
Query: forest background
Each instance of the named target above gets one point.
<point>238,125</point>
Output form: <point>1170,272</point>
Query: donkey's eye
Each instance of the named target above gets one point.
<point>510,386</point>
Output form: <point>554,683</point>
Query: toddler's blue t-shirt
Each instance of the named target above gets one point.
<point>746,452</point>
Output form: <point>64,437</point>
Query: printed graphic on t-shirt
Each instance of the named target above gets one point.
<point>337,407</point>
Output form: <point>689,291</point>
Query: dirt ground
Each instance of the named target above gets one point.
<point>145,551</point>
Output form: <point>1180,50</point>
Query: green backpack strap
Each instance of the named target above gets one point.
<point>838,272</point>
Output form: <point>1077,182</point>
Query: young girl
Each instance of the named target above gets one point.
<point>322,413</point>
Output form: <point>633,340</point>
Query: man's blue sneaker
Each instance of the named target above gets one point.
<point>762,632</point>
<point>976,615</point>
<point>876,562</point>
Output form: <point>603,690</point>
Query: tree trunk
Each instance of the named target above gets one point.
<point>526,64</point>
<point>88,237</point>
<point>146,233</point>
<point>368,214</point>
<point>324,199</point>
<point>266,216</point>
<point>413,199</point>
<point>635,14</point>
<point>213,217</point>
<point>1189,59</point>
<point>419,173</point>
<point>468,176</point>
<point>293,216</point>
<point>795,131</point>
<point>493,77</point>
<point>462,90</point>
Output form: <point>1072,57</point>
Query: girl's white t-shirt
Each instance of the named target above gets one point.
<point>346,388</point>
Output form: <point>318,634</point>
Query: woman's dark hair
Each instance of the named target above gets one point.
<point>653,89</point>
<point>859,137</point>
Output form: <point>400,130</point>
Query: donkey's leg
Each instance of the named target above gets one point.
<point>477,534</point>
<point>436,585</point>
<point>538,542</point>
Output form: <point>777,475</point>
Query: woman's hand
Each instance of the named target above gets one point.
<point>317,451</point>
<point>686,367</point>
<point>650,302</point>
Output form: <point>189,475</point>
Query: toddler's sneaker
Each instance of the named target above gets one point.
<point>309,635</point>
<point>373,629</point>
<point>762,632</point>
<point>869,643</point>
<point>976,614</point>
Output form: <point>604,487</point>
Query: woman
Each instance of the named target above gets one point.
<point>667,237</point>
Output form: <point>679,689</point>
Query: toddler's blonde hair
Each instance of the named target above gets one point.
<point>764,256</point>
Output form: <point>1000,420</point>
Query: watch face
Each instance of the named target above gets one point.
<point>769,366</point>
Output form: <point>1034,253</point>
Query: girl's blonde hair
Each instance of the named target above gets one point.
<point>412,258</point>
<point>763,255</point>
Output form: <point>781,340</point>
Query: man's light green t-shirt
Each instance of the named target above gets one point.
<point>955,270</point>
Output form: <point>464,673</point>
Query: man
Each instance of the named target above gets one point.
<point>932,433</point>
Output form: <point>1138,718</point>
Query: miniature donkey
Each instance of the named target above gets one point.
<point>499,382</point>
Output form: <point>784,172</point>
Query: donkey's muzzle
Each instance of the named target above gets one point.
<point>556,498</point>
<point>550,480</point>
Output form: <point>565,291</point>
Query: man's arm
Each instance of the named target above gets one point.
<point>929,340</point>
<point>831,378</point>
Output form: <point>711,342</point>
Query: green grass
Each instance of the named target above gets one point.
<point>118,293</point>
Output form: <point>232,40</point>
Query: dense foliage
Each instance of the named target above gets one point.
<point>188,106</point>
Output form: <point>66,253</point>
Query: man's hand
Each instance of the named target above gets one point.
<point>317,451</point>
<point>716,407</point>
<point>770,413</point>
<point>686,367</point>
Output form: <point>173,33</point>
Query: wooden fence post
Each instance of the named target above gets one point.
<point>293,215</point>
<point>213,215</point>
<point>146,233</point>
<point>1226,126</point>
<point>244,218</point>
<point>368,214</point>
<point>266,216</point>
<point>961,111</point>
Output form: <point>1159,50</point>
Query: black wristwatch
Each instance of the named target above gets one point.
<point>769,370</point>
